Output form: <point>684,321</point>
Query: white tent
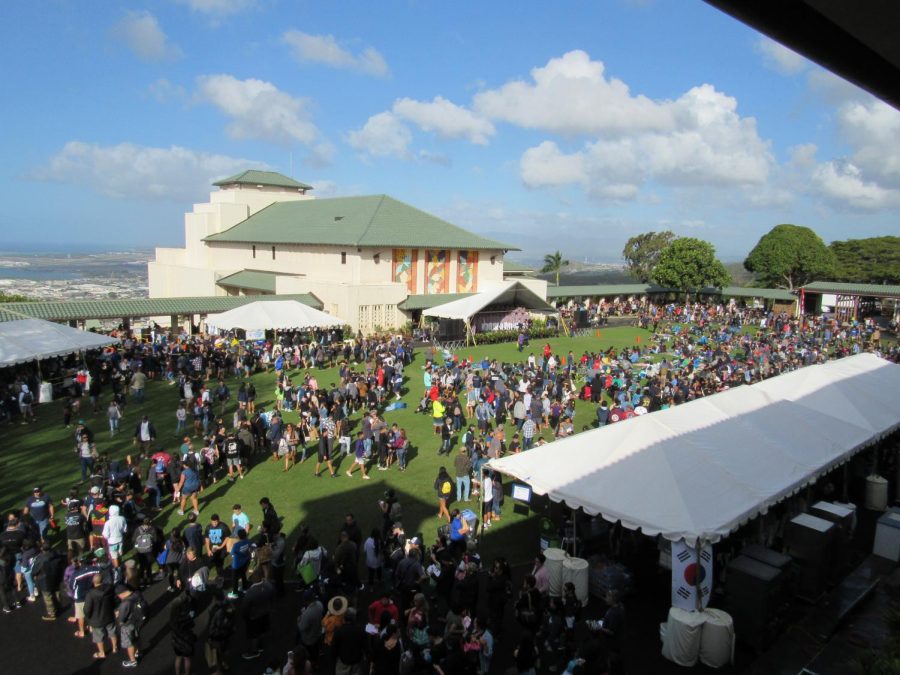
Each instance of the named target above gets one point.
<point>700,470</point>
<point>32,339</point>
<point>510,293</point>
<point>273,314</point>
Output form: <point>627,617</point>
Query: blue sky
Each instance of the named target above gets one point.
<point>569,127</point>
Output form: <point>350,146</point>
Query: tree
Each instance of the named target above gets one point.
<point>875,260</point>
<point>642,252</point>
<point>790,256</point>
<point>13,297</point>
<point>553,263</point>
<point>688,264</point>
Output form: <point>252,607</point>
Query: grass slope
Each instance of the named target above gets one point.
<point>43,453</point>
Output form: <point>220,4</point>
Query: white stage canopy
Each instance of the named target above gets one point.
<point>700,470</point>
<point>273,314</point>
<point>512,293</point>
<point>33,339</point>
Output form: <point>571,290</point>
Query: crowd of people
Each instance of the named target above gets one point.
<point>436,608</point>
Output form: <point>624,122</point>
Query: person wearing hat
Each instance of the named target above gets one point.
<point>334,619</point>
<point>40,507</point>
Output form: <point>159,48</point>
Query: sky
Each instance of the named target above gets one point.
<point>570,127</point>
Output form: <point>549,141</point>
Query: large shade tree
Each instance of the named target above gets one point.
<point>875,260</point>
<point>688,264</point>
<point>642,251</point>
<point>553,263</point>
<point>789,256</point>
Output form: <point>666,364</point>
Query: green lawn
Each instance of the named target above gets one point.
<point>43,453</point>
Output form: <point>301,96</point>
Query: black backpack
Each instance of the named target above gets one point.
<point>221,623</point>
<point>140,612</point>
<point>28,398</point>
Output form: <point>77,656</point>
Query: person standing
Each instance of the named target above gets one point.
<point>146,543</point>
<point>40,507</point>
<point>240,561</point>
<point>309,623</point>
<point>47,572</point>
<point>349,645</point>
<point>188,487</point>
<point>463,467</point>
<point>221,628</point>
<point>326,445</point>
<point>217,534</point>
<point>144,434</point>
<point>99,612</point>
<point>181,626</point>
<point>359,457</point>
<point>114,530</point>
<point>444,488</point>
<point>87,454</point>
<point>26,401</point>
<point>114,415</point>
<point>138,383</point>
<point>131,615</point>
<point>256,608</point>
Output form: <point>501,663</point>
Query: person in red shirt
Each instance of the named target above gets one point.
<point>380,606</point>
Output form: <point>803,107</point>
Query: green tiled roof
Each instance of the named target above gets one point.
<point>256,280</point>
<point>376,220</point>
<point>71,310</point>
<point>429,301</point>
<point>870,290</point>
<point>603,290</point>
<point>747,292</point>
<point>268,178</point>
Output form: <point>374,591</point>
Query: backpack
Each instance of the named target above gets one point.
<point>28,398</point>
<point>221,624</point>
<point>446,487</point>
<point>140,612</point>
<point>144,542</point>
<point>160,466</point>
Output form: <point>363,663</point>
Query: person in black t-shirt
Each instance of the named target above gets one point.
<point>216,536</point>
<point>76,528</point>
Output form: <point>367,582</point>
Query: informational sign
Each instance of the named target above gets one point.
<point>692,574</point>
<point>259,334</point>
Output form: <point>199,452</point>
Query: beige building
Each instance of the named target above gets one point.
<point>373,261</point>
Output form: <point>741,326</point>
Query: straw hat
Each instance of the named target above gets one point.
<point>337,605</point>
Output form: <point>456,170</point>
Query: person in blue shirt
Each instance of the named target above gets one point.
<point>240,520</point>
<point>241,551</point>
<point>188,487</point>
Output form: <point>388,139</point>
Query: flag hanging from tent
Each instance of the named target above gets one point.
<point>691,574</point>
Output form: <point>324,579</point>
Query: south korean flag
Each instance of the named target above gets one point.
<point>691,574</point>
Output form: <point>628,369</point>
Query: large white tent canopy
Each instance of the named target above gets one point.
<point>33,339</point>
<point>273,314</point>
<point>702,469</point>
<point>510,293</point>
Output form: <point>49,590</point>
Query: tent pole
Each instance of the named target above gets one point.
<point>698,597</point>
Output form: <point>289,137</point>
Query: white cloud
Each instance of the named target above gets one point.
<point>259,110</point>
<point>308,48</point>
<point>445,118</point>
<point>779,58</point>
<point>709,145</point>
<point>219,8</point>
<point>164,91</point>
<point>383,135</point>
<point>571,95</point>
<point>130,171</point>
<point>141,33</point>
<point>843,184</point>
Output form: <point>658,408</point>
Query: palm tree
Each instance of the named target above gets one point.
<point>553,263</point>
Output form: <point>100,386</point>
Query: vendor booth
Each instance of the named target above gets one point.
<point>695,473</point>
<point>507,306</point>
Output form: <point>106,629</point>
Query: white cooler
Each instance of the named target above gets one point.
<point>681,636</point>
<point>717,639</point>
<point>576,571</point>
<point>554,564</point>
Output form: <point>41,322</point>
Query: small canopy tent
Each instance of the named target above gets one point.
<point>508,293</point>
<point>273,314</point>
<point>700,470</point>
<point>27,340</point>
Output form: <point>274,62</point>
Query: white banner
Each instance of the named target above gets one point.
<point>691,574</point>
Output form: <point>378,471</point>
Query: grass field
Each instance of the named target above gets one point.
<point>43,453</point>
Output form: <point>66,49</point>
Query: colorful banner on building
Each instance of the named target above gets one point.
<point>404,267</point>
<point>437,272</point>
<point>467,272</point>
<point>692,574</point>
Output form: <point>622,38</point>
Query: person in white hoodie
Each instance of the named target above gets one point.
<point>114,533</point>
